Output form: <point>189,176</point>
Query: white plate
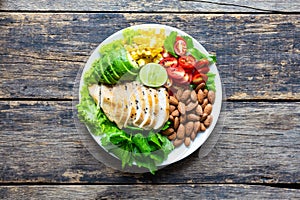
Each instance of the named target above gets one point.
<point>182,151</point>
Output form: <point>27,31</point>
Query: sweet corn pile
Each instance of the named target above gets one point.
<point>147,46</point>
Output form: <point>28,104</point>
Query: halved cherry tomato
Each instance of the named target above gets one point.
<point>179,38</point>
<point>176,72</point>
<point>165,54</point>
<point>203,70</point>
<point>187,62</point>
<point>199,78</point>
<point>204,76</point>
<point>169,62</point>
<point>202,63</point>
<point>180,47</point>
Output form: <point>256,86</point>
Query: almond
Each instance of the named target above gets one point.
<point>189,127</point>
<point>191,106</point>
<point>202,127</point>
<point>203,117</point>
<point>180,132</point>
<point>187,141</point>
<point>205,91</point>
<point>182,118</point>
<point>172,136</point>
<point>177,142</point>
<point>208,109</point>
<point>197,126</point>
<point>179,93</point>
<point>208,121</point>
<point>171,118</point>
<point>176,123</point>
<point>200,87</point>
<point>175,113</point>
<point>185,95</point>
<point>172,108</point>
<point>200,96</point>
<point>181,108</point>
<point>211,96</point>
<point>193,96</point>
<point>199,110</point>
<point>173,101</point>
<point>205,102</point>
<point>168,131</point>
<point>193,136</point>
<point>193,117</point>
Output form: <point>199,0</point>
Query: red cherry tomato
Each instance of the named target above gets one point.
<point>176,72</point>
<point>199,78</point>
<point>187,62</point>
<point>201,64</point>
<point>203,70</point>
<point>204,76</point>
<point>169,62</point>
<point>179,38</point>
<point>180,47</point>
<point>165,54</point>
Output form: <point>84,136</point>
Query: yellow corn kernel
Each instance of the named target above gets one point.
<point>139,52</point>
<point>159,56</point>
<point>155,60</point>
<point>147,53</point>
<point>141,62</point>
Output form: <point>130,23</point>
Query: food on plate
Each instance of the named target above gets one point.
<point>132,104</point>
<point>148,93</point>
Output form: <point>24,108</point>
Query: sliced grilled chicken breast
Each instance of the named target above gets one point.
<point>163,113</point>
<point>132,104</point>
<point>94,91</point>
<point>147,110</point>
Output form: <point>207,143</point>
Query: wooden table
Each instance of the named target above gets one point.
<point>43,44</point>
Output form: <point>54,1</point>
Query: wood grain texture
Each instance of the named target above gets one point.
<point>258,55</point>
<point>191,191</point>
<point>154,6</point>
<point>259,143</point>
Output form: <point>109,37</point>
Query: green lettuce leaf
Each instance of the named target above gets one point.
<point>210,84</point>
<point>169,43</point>
<point>189,42</point>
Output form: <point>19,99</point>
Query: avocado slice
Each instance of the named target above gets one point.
<point>102,74</point>
<point>110,68</point>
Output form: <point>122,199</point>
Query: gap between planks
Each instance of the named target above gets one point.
<point>276,185</point>
<point>146,12</point>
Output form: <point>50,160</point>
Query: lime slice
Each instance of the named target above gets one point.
<point>153,75</point>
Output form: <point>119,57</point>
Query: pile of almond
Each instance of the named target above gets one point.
<point>190,113</point>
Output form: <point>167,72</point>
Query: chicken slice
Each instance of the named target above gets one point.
<point>94,91</point>
<point>155,107</point>
<point>106,102</point>
<point>163,113</point>
<point>118,101</point>
<point>140,106</point>
<point>126,109</point>
<point>147,110</point>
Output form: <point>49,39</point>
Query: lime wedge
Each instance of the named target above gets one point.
<point>153,75</point>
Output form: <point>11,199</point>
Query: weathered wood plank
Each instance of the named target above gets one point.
<point>154,6</point>
<point>203,191</point>
<point>260,143</point>
<point>258,55</point>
